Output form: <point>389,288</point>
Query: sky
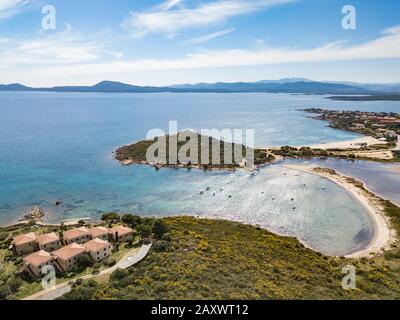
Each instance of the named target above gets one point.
<point>164,42</point>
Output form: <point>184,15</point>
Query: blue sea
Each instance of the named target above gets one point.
<point>59,146</point>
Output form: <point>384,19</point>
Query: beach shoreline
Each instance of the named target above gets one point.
<point>348,144</point>
<point>355,143</point>
<point>384,235</point>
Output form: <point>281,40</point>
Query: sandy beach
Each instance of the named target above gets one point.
<point>350,144</point>
<point>384,235</point>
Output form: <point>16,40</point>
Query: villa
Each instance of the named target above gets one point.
<point>67,257</point>
<point>48,242</point>
<point>98,249</point>
<point>122,234</point>
<point>100,233</point>
<point>47,248</point>
<point>24,244</point>
<point>77,235</point>
<point>35,262</point>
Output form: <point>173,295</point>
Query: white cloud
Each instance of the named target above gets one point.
<point>169,5</point>
<point>209,37</point>
<point>387,46</point>
<point>162,19</point>
<point>11,7</point>
<point>60,48</point>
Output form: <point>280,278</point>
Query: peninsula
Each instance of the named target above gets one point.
<point>136,154</point>
<point>380,141</point>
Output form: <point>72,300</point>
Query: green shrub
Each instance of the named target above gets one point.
<point>160,228</point>
<point>161,246</point>
<point>111,262</point>
<point>119,274</point>
<point>166,237</point>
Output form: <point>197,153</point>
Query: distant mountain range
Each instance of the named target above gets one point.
<point>290,85</point>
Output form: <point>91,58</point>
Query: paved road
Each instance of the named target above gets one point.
<point>127,261</point>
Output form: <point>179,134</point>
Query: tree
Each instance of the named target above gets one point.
<point>4,292</point>
<point>85,261</point>
<point>131,220</point>
<point>14,284</point>
<point>127,218</point>
<point>111,217</point>
<point>160,227</point>
<point>144,230</point>
<point>119,274</point>
<point>136,220</point>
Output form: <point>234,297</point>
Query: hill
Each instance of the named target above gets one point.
<point>215,259</point>
<point>281,86</point>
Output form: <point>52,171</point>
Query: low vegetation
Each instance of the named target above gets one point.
<point>213,259</point>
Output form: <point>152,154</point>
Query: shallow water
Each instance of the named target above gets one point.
<point>381,178</point>
<point>59,147</point>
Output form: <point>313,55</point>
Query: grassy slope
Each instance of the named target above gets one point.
<point>209,259</point>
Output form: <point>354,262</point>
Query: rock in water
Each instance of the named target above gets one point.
<point>36,213</point>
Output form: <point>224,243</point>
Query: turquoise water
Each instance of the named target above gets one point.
<point>381,178</point>
<point>59,147</point>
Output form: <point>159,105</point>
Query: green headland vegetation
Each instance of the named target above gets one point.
<point>214,259</point>
<point>136,153</point>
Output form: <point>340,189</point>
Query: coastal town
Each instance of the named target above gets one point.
<point>379,141</point>
<point>384,126</point>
